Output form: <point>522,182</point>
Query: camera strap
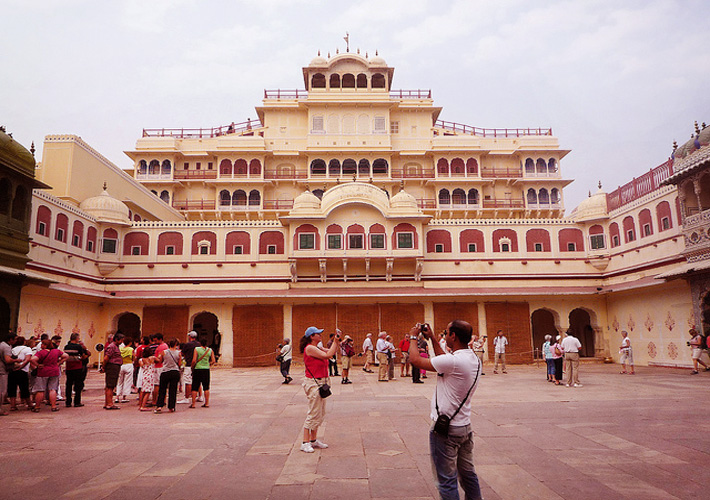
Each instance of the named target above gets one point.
<point>436,397</point>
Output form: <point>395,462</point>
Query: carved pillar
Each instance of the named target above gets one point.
<point>322,267</point>
<point>367,269</point>
<point>390,266</point>
<point>697,189</point>
<point>294,271</point>
<point>345,270</point>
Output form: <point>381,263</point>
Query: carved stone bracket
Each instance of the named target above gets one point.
<point>390,266</point>
<point>294,271</point>
<point>345,270</point>
<point>367,269</point>
<point>418,270</point>
<point>321,266</point>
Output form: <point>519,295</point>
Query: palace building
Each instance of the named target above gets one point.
<point>351,204</point>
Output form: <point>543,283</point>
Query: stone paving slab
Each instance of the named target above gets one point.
<point>620,437</point>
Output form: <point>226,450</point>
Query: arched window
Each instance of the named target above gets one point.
<point>271,242</point>
<point>61,226</point>
<point>254,198</point>
<point>457,166</point>
<point>541,166</point>
<point>444,197</point>
<point>166,167</point>
<point>472,166</point>
<point>529,166</point>
<point>91,234</point>
<point>473,197</point>
<point>165,196</point>
<point>614,234</point>
<point>378,81</point>
<point>137,218</point>
<point>552,165</point>
<point>77,234</point>
<point>377,237</point>
<point>532,197</point>
<point>318,167</point>
<point>349,167</point>
<point>362,81</point>
<point>505,240</point>
<point>136,243</point>
<point>543,197</point>
<point>154,167</point>
<point>334,167</point>
<point>363,167</point>
<point>458,197</point>
<point>318,81</point>
<point>5,195</point>
<point>629,229</point>
<point>663,215</point>
<point>225,167</point>
<point>142,167</point>
<point>379,166</point>
<point>555,196</point>
<point>438,241</point>
<point>44,220</point>
<point>442,166</point>
<point>19,203</point>
<point>306,237</point>
<point>225,199</point>
<point>571,240</point>
<point>204,243</point>
<point>404,236</point>
<point>239,198</point>
<point>471,240</point>
<point>240,167</point>
<point>335,81</point>
<point>170,243</point>
<point>254,167</point>
<point>537,240</point>
<point>596,237</point>
<point>348,81</point>
<point>110,241</point>
<point>238,243</point>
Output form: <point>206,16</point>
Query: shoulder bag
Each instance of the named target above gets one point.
<point>441,426</point>
<point>323,389</point>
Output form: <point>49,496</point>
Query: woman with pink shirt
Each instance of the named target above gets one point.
<point>557,356</point>
<point>47,362</point>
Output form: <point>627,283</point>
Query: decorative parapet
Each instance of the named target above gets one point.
<point>206,224</point>
<point>62,204</point>
<point>692,160</point>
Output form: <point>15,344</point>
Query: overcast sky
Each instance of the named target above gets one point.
<point>616,80</point>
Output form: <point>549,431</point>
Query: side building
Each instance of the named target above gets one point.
<point>352,204</point>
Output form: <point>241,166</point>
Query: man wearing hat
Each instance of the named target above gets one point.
<point>348,351</point>
<point>188,349</point>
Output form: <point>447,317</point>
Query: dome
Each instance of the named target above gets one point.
<point>592,208</point>
<point>14,154</point>
<point>377,61</point>
<point>698,140</point>
<point>105,208</point>
<point>403,200</point>
<point>306,201</point>
<point>319,61</point>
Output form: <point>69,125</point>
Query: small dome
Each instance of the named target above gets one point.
<point>592,208</point>
<point>403,200</point>
<point>319,61</point>
<point>105,208</point>
<point>306,201</point>
<point>377,61</point>
<point>694,143</point>
<point>14,154</point>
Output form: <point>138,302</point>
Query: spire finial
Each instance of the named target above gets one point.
<point>358,50</point>
<point>337,51</point>
<point>105,186</point>
<point>318,52</point>
<point>32,149</point>
<point>600,184</point>
<point>347,41</point>
<point>376,53</point>
<point>589,194</point>
<point>697,129</point>
<point>328,54</point>
<point>401,185</point>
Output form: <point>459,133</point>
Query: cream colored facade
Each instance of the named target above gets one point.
<point>350,204</point>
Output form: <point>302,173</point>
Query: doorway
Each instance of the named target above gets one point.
<point>543,323</point>
<point>580,325</point>
<point>206,325</point>
<point>129,324</point>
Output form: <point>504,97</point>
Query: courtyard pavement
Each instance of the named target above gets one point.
<point>645,436</point>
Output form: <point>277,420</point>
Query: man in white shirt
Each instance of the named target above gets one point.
<point>458,373</point>
<point>499,342</point>
<point>627,355</point>
<point>382,349</point>
<point>368,349</point>
<point>571,346</point>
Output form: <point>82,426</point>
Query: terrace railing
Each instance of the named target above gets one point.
<point>293,174</point>
<point>460,128</point>
<point>501,173</point>
<point>425,173</point>
<point>194,174</point>
<point>426,202</point>
<point>285,94</point>
<point>243,128</point>
<point>194,204</point>
<point>639,186</point>
<point>410,94</point>
<point>512,203</point>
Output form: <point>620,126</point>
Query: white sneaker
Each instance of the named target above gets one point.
<point>578,385</point>
<point>307,448</point>
<point>184,400</point>
<point>200,399</point>
<point>319,444</point>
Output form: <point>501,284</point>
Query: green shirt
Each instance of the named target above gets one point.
<point>204,363</point>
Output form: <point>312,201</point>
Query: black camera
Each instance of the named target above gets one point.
<point>424,327</point>
<point>687,343</point>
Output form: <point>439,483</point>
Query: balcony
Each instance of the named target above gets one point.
<point>267,205</point>
<point>410,94</point>
<point>459,206</point>
<point>426,173</point>
<point>243,128</point>
<point>195,174</point>
<point>641,186</point>
<point>458,128</point>
<point>154,177</point>
<point>194,205</point>
<point>285,94</point>
<point>286,174</point>
<point>501,173</point>
<point>426,203</point>
<point>512,203</point>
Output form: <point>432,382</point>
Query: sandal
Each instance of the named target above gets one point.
<point>624,371</point>
<point>56,408</point>
<point>191,406</point>
<point>205,406</point>
<point>34,410</point>
<point>158,410</point>
<point>111,408</point>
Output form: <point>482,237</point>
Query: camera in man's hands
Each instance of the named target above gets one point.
<point>424,327</point>
<point>687,343</point>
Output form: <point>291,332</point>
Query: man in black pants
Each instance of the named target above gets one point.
<point>75,370</point>
<point>416,374</point>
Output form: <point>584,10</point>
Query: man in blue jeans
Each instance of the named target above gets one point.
<point>457,376</point>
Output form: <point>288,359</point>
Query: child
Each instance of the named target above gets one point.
<point>146,379</point>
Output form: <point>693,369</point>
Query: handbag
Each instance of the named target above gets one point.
<point>441,426</point>
<point>324,389</point>
<point>280,358</point>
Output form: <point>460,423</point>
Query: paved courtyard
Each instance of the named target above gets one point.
<point>645,436</point>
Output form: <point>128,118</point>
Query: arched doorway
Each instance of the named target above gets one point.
<point>543,323</point>
<point>705,314</point>
<point>581,326</point>
<point>130,325</point>
<point>206,325</point>
<point>4,319</point>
